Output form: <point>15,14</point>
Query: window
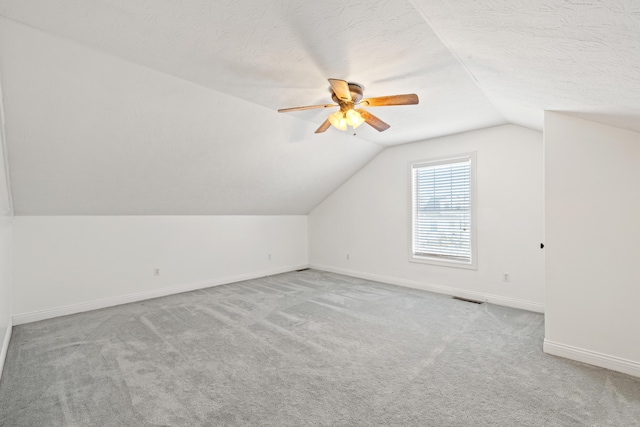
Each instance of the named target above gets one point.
<point>443,214</point>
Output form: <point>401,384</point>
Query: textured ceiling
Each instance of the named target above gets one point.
<point>581,57</point>
<point>168,107</point>
<point>279,53</point>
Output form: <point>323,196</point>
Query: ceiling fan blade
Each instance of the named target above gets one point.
<point>407,99</point>
<point>373,121</point>
<point>341,89</point>
<point>308,107</point>
<point>324,126</point>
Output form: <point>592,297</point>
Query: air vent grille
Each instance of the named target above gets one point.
<point>469,300</point>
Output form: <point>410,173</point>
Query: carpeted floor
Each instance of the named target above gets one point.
<point>303,349</point>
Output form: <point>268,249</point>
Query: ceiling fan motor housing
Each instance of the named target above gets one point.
<point>355,89</point>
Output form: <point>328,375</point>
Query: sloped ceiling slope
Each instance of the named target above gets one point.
<point>91,134</point>
<point>165,107</point>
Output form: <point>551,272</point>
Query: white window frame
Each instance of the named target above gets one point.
<point>473,264</point>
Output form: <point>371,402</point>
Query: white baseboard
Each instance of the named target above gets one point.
<point>35,316</point>
<point>594,358</point>
<point>5,346</point>
<point>447,290</point>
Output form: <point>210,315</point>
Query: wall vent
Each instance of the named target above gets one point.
<point>468,300</point>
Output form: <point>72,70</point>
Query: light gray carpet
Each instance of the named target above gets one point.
<point>303,349</point>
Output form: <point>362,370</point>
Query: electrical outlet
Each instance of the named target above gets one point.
<point>269,256</point>
<point>156,271</point>
<point>347,256</point>
<point>505,277</point>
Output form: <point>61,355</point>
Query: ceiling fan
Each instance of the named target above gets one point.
<point>348,95</point>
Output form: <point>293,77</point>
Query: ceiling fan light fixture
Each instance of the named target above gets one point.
<point>338,120</point>
<point>354,119</point>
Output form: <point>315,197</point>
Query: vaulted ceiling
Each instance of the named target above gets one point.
<point>120,107</point>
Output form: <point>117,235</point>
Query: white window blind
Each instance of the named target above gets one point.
<point>442,216</point>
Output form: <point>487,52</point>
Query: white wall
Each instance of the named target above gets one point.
<point>369,219</point>
<point>592,203</point>
<point>6,228</point>
<point>5,286</point>
<point>68,264</point>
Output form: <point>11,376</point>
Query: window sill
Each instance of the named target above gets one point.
<point>444,263</point>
